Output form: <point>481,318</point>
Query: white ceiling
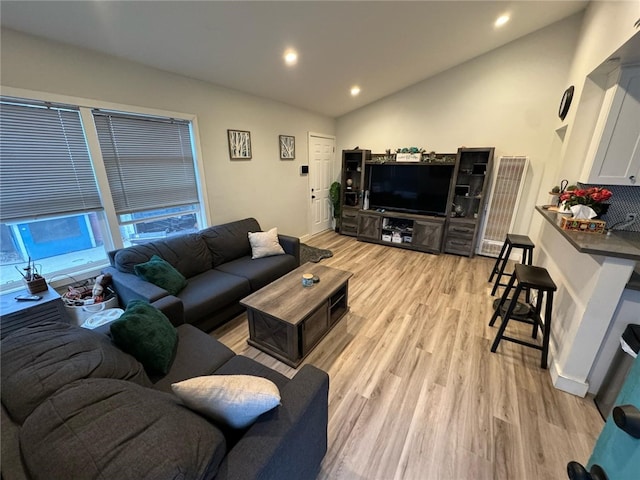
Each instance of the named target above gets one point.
<point>383,46</point>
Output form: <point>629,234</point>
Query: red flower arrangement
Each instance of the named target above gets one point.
<point>593,197</point>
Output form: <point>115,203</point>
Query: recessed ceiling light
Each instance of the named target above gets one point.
<point>290,57</point>
<point>355,90</point>
<point>501,20</point>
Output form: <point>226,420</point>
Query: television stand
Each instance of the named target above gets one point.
<point>404,230</point>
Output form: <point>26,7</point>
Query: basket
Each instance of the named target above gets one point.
<point>79,314</point>
<point>583,225</point>
<point>36,285</point>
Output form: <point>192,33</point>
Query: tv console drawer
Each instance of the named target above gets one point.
<point>461,230</point>
<point>463,246</point>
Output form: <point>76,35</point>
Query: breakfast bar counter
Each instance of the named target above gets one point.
<point>616,244</point>
<point>595,301</point>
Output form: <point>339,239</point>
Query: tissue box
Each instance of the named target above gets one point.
<point>582,225</point>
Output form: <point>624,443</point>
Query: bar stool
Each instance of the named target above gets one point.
<point>528,278</point>
<point>512,241</point>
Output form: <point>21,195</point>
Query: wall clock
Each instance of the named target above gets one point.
<point>565,103</point>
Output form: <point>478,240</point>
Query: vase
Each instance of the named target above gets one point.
<point>604,208</point>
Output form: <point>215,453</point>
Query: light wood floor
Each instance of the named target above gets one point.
<point>415,392</point>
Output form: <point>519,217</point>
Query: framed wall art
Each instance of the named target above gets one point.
<point>239,144</point>
<point>287,147</point>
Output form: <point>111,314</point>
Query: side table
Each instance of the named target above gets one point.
<point>15,314</point>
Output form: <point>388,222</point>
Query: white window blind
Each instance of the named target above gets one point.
<point>45,168</point>
<point>149,161</point>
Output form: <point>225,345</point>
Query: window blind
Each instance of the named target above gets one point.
<point>45,168</point>
<point>149,161</point>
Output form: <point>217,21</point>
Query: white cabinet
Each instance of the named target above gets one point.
<point>615,147</point>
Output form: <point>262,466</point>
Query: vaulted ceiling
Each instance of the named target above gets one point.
<point>381,46</point>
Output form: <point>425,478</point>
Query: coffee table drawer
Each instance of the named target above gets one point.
<point>314,327</point>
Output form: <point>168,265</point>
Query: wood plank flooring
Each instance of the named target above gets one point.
<point>415,392</point>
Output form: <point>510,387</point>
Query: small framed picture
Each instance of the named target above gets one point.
<point>239,144</point>
<point>287,147</point>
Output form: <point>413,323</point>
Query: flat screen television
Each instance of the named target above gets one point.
<point>410,188</point>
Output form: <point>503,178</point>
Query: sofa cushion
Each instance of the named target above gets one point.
<point>38,360</point>
<point>229,241</point>
<point>161,273</point>
<point>211,291</point>
<point>265,244</point>
<point>261,271</point>
<point>235,400</point>
<point>103,429</point>
<point>241,365</point>
<point>197,354</point>
<point>147,334</point>
<point>188,253</point>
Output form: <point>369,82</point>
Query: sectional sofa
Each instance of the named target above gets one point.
<point>76,406</point>
<point>218,267</point>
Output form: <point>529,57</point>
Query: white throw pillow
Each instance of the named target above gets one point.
<point>236,400</point>
<point>265,244</point>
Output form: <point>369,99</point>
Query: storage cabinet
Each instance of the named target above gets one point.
<point>614,155</point>
<point>427,235</point>
<point>369,226</point>
<point>353,182</point>
<point>415,232</point>
<point>471,186</point>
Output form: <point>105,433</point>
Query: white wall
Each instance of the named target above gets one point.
<point>265,187</point>
<point>606,27</point>
<point>507,98</point>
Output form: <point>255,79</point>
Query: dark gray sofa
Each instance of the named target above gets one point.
<point>217,264</point>
<point>75,406</point>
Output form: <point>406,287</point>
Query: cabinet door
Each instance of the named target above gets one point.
<point>616,160</point>
<point>369,226</point>
<point>427,235</point>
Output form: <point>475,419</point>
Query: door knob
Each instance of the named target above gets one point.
<point>575,471</point>
<point>627,418</point>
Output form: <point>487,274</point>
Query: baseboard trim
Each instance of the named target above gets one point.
<point>567,384</point>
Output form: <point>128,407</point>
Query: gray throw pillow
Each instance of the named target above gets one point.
<point>113,429</point>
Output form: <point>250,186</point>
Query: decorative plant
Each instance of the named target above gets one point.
<point>334,196</point>
<point>410,150</point>
<point>555,189</point>
<point>593,197</point>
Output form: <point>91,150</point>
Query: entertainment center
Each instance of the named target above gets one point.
<point>432,205</point>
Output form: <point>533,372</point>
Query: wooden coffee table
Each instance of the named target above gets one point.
<point>286,320</point>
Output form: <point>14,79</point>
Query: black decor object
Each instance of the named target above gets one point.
<point>565,102</point>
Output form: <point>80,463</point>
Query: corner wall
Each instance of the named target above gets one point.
<point>267,188</point>
<point>507,98</point>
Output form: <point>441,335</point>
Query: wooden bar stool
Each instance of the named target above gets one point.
<point>528,278</point>
<point>512,241</point>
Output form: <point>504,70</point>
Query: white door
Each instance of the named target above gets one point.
<point>321,158</point>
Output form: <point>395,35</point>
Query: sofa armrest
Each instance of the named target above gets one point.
<point>291,440</point>
<point>290,245</point>
<point>131,287</point>
<point>172,307</point>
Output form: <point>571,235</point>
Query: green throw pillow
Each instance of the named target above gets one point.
<point>146,333</point>
<point>161,273</point>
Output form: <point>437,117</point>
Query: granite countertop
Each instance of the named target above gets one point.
<point>617,244</point>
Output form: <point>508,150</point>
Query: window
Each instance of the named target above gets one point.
<point>50,207</point>
<point>150,168</point>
